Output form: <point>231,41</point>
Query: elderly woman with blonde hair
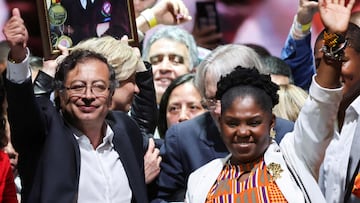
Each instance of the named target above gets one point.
<point>291,99</point>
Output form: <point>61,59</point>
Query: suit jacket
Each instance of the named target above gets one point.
<point>190,145</point>
<point>49,156</point>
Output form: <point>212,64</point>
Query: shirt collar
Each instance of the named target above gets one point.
<point>355,106</point>
<point>107,139</point>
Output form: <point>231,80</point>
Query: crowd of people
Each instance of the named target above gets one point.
<point>183,120</point>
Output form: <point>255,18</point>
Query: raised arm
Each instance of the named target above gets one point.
<point>314,127</point>
<point>335,17</point>
<point>297,51</point>
<point>166,12</point>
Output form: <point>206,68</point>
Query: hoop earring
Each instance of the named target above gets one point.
<point>272,133</point>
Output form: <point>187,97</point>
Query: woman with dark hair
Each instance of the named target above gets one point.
<point>257,168</point>
<point>180,102</point>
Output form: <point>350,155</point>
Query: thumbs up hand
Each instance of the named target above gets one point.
<point>16,35</point>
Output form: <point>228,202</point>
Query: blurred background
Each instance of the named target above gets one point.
<point>288,7</point>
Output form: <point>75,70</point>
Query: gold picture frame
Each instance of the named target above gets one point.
<point>68,22</point>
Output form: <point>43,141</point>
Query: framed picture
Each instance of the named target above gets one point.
<point>67,22</point>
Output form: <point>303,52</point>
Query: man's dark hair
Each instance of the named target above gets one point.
<point>80,56</point>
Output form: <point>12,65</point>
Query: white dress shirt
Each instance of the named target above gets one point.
<point>333,171</point>
<point>102,176</point>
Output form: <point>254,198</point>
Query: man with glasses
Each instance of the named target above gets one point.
<point>172,52</point>
<point>52,144</point>
<point>191,144</point>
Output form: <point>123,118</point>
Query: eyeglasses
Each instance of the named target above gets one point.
<point>212,103</point>
<point>79,89</point>
<point>173,58</point>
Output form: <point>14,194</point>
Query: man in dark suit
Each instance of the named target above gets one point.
<point>52,144</point>
<point>85,17</point>
<point>191,144</point>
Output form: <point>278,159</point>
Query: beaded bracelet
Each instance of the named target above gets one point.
<point>334,45</point>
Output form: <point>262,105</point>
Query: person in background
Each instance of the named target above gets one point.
<point>259,49</point>
<point>52,144</point>
<point>13,157</point>
<point>4,14</point>
<point>8,149</point>
<point>338,172</point>
<point>86,19</point>
<point>244,21</point>
<point>191,144</point>
<point>8,193</point>
<point>141,5</point>
<point>181,101</point>
<point>280,71</point>
<point>291,99</point>
<point>4,50</point>
<point>340,166</point>
<point>165,12</point>
<point>297,49</point>
<point>172,52</point>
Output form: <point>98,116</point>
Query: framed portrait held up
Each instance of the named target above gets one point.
<point>67,22</point>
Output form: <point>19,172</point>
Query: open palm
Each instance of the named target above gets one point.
<point>335,15</point>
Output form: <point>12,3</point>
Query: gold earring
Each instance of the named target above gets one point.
<point>272,133</point>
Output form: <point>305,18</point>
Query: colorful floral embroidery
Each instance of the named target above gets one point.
<point>356,188</point>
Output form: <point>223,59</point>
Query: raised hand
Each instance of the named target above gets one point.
<point>306,11</point>
<point>207,37</point>
<point>335,15</point>
<point>50,66</point>
<point>170,12</point>
<point>16,35</point>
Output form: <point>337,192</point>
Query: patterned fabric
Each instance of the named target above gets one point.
<point>258,187</point>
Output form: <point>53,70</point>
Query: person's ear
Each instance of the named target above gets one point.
<point>273,121</point>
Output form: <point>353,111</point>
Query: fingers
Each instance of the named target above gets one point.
<point>124,39</point>
<point>171,12</point>
<point>351,4</point>
<point>181,12</point>
<point>16,35</point>
<point>64,50</point>
<point>151,146</point>
<point>137,53</point>
<point>16,12</point>
<point>152,161</point>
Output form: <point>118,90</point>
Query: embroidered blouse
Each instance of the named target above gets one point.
<point>258,187</point>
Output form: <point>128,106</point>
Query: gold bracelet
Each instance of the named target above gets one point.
<point>331,39</point>
<point>334,45</point>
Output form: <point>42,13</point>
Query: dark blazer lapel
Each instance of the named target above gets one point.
<point>127,155</point>
<point>209,130</point>
<point>354,163</point>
